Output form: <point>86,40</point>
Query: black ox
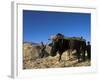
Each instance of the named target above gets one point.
<point>59,44</point>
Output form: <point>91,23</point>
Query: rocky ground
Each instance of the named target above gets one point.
<point>32,61</point>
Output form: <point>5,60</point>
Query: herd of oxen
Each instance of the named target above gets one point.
<point>59,44</point>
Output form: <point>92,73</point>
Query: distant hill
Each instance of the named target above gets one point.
<point>32,43</point>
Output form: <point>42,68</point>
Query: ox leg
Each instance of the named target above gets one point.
<point>78,55</point>
<point>69,54</point>
<point>60,56</point>
<point>83,55</point>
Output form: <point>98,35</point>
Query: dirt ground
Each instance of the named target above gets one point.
<point>32,61</point>
<point>53,62</point>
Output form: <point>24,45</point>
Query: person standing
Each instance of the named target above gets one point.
<point>88,48</point>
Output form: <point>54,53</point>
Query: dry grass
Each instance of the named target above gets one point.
<point>31,60</point>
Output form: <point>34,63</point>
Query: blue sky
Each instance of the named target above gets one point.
<point>40,25</point>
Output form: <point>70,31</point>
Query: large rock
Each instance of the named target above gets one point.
<point>31,60</point>
<point>30,51</point>
<point>33,51</point>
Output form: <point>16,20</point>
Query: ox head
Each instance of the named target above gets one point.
<point>56,44</point>
<point>45,50</point>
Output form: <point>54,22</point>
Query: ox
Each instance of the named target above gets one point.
<point>59,44</point>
